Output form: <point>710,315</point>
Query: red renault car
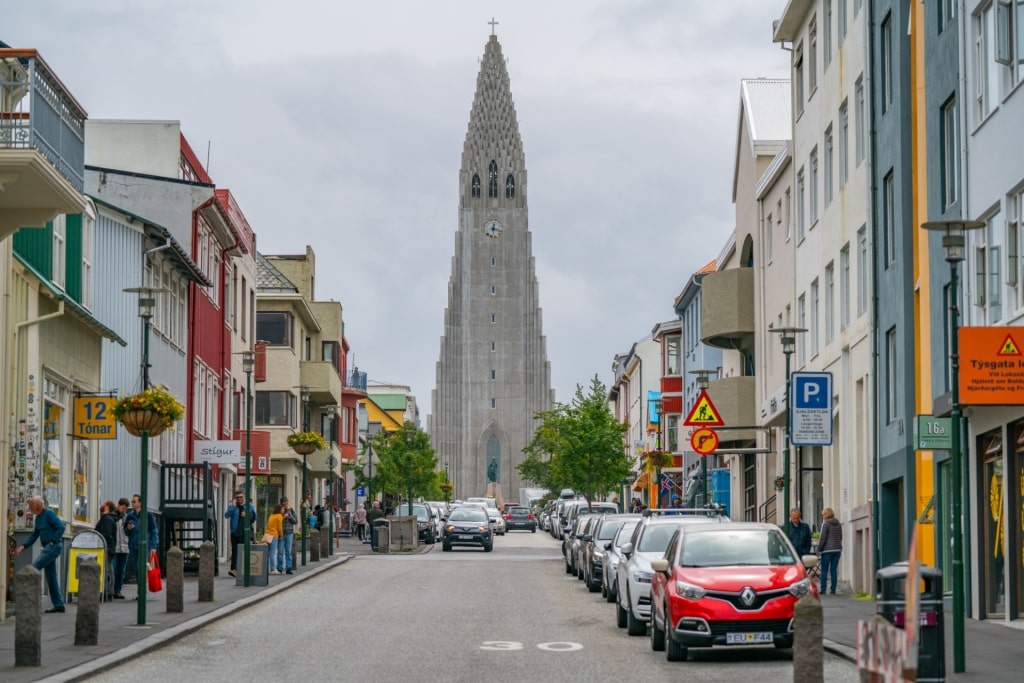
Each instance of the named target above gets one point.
<point>726,584</point>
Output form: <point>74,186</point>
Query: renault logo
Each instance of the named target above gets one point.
<point>747,596</point>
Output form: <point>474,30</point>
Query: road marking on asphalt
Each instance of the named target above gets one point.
<point>501,645</point>
<point>560,647</point>
<point>511,645</point>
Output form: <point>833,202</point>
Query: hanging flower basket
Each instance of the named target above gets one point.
<point>446,487</point>
<point>154,411</point>
<point>305,443</point>
<point>656,460</point>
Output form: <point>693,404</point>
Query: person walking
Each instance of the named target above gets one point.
<point>133,523</point>
<point>120,558</point>
<point>108,528</point>
<point>50,532</point>
<point>275,529</point>
<point>284,549</point>
<point>240,514</point>
<point>359,519</point>
<point>830,548</point>
<point>799,533</point>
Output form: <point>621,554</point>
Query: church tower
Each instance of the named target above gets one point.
<point>493,374</point>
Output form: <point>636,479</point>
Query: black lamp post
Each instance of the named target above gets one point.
<point>953,244</point>
<point>332,462</point>
<point>248,362</point>
<point>304,392</point>
<point>147,307</point>
<point>703,380</point>
<point>657,405</point>
<point>787,335</point>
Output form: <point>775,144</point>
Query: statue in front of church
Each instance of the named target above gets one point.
<point>492,471</point>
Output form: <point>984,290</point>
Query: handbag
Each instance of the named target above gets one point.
<point>268,538</point>
<point>156,583</point>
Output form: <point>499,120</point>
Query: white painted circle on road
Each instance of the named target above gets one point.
<point>498,645</point>
<point>560,647</point>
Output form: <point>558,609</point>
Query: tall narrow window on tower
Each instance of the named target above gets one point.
<point>492,180</point>
<point>476,186</point>
<point>510,186</point>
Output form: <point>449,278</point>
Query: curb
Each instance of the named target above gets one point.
<point>159,639</point>
<point>839,650</point>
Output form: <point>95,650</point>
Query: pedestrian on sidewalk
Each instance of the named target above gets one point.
<point>50,532</point>
<point>133,523</point>
<point>240,515</point>
<point>830,548</point>
<point>284,549</point>
<point>359,519</point>
<point>799,533</point>
<point>275,530</point>
<point>120,558</point>
<point>108,528</point>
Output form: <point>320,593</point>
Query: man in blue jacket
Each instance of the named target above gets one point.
<point>239,517</point>
<point>133,525</point>
<point>50,532</point>
<point>799,533</point>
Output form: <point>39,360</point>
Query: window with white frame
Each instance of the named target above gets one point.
<point>769,228</point>
<point>863,276</point>
<point>840,21</point>
<point>801,223</point>
<point>88,254</point>
<point>857,4</point>
<point>1014,208</point>
<point>801,321</point>
<point>830,296</point>
<point>887,66</point>
<point>230,281</point>
<point>812,190</point>
<point>798,79</point>
<point>889,218</point>
<point>812,57</point>
<point>947,13</point>
<point>844,286</point>
<point>829,165</point>
<point>789,215</point>
<point>844,143</point>
<point>986,76</point>
<point>59,251</point>
<point>891,380</point>
<point>1009,41</point>
<point>860,120</point>
<point>815,331</point>
<point>987,266</point>
<point>950,124</point>
<point>243,295</point>
<point>826,39</point>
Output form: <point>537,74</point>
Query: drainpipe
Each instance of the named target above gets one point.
<point>876,458</point>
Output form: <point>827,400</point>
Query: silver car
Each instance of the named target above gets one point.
<point>613,557</point>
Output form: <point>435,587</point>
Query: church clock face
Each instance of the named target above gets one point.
<point>492,229</point>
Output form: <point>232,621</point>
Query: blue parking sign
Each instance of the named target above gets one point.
<point>811,414</point>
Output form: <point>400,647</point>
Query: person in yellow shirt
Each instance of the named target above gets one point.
<point>275,530</point>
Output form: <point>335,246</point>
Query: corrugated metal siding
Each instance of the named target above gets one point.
<point>36,247</point>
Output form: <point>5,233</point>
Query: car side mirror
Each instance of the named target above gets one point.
<point>627,550</point>
<point>587,538</point>
<point>660,565</point>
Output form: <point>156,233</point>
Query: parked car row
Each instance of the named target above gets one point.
<point>691,578</point>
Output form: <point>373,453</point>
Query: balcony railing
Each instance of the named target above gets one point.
<point>37,112</point>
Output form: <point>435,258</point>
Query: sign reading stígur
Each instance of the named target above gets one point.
<point>992,365</point>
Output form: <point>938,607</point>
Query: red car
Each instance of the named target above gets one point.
<point>726,584</point>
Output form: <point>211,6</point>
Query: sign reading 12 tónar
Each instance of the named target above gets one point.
<point>811,414</point>
<point>218,452</point>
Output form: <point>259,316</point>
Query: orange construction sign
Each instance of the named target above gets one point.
<point>991,366</point>
<point>703,412</point>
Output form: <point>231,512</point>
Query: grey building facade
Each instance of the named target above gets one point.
<point>493,374</point>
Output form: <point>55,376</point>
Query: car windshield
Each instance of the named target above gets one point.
<point>747,547</point>
<point>468,515</point>
<point>627,532</point>
<point>418,511</point>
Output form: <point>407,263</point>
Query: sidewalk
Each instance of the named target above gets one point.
<point>991,651</point>
<point>120,638</point>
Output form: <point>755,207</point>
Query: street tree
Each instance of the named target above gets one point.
<point>578,445</point>
<point>406,462</point>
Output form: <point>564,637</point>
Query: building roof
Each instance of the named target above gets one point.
<point>765,112</point>
<point>270,279</point>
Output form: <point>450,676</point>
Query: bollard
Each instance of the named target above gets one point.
<point>314,545</point>
<point>175,594</point>
<point>207,568</point>
<point>87,619</point>
<point>325,542</point>
<point>28,619</point>
<point>808,653</point>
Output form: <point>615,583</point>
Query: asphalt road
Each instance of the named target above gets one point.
<point>509,615</point>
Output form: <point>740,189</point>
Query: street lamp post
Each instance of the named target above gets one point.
<point>147,306</point>
<point>332,411</point>
<point>657,404</point>
<point>305,427</point>
<point>953,244</point>
<point>248,362</point>
<point>703,380</point>
<point>787,335</point>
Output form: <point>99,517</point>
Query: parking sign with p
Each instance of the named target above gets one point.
<point>811,415</point>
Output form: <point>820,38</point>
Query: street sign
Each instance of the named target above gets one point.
<point>93,418</point>
<point>933,433</point>
<point>218,452</point>
<point>991,360</point>
<point>704,440</point>
<point>703,413</point>
<point>361,491</point>
<point>811,415</point>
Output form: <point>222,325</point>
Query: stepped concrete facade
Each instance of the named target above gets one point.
<point>493,374</point>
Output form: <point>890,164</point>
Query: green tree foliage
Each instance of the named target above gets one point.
<point>406,463</point>
<point>579,445</point>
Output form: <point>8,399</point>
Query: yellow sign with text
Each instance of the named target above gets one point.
<point>93,418</point>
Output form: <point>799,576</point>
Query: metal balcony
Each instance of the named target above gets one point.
<point>42,143</point>
<point>727,309</point>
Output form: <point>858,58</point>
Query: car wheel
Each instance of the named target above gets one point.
<point>604,591</point>
<point>657,634</point>
<point>591,586</point>
<point>634,626</point>
<point>674,652</point>
<point>489,547</point>
<point>533,530</point>
<point>611,594</point>
<point>620,616</point>
<point>581,575</point>
<point>568,567</point>
<point>446,547</point>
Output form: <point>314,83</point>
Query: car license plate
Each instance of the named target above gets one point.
<point>465,537</point>
<point>749,638</point>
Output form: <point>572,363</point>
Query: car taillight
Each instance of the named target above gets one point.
<point>508,517</point>
<point>529,516</point>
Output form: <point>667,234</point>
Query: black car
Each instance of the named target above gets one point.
<point>520,518</point>
<point>468,526</point>
<point>424,520</point>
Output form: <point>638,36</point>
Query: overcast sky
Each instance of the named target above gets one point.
<point>340,124</point>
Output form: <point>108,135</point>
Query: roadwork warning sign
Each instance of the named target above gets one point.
<point>991,365</point>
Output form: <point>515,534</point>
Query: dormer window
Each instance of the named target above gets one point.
<point>492,180</point>
<point>476,186</point>
<point>510,186</point>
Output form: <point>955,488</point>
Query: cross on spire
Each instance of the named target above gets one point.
<point>493,23</point>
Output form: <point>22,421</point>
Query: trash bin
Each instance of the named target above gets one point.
<point>377,524</point>
<point>891,600</point>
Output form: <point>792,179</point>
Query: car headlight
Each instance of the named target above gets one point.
<point>689,591</point>
<point>800,588</point>
<point>449,528</point>
<point>483,529</point>
<point>640,576</point>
